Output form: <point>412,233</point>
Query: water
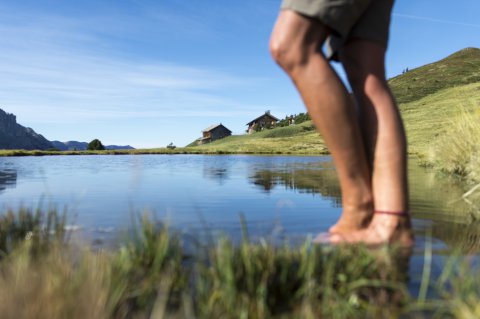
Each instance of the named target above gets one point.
<point>279,196</point>
<point>191,191</point>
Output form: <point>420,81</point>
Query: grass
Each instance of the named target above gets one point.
<point>295,139</point>
<point>458,150</point>
<point>104,152</point>
<point>430,119</point>
<point>151,276</point>
<point>458,69</point>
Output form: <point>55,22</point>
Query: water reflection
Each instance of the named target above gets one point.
<point>8,179</point>
<point>437,198</point>
<point>435,201</point>
<point>462,237</point>
<point>312,178</point>
<point>216,173</point>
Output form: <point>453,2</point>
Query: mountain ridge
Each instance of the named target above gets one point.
<point>82,146</point>
<point>16,136</point>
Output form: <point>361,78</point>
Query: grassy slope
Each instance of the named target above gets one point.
<point>429,98</point>
<point>460,68</point>
<point>295,139</point>
<point>429,118</point>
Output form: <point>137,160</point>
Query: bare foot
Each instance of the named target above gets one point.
<point>384,229</point>
<point>353,219</point>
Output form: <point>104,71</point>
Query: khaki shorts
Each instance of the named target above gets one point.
<point>363,19</point>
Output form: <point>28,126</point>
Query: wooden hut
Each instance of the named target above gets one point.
<point>266,120</point>
<point>213,133</point>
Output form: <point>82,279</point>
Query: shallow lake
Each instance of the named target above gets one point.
<point>279,196</point>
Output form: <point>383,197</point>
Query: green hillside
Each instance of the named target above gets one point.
<point>430,97</point>
<point>431,117</point>
<point>460,68</point>
<point>294,139</point>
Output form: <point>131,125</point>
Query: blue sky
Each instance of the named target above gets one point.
<point>147,73</point>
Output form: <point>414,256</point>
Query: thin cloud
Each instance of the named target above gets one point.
<point>52,71</point>
<point>414,17</point>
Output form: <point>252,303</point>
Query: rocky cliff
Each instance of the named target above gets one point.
<point>16,136</point>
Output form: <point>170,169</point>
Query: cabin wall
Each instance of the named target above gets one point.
<point>219,132</point>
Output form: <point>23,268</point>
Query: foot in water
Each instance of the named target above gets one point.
<point>386,227</point>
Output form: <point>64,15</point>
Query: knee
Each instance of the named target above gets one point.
<point>367,81</point>
<point>288,55</point>
<point>375,85</point>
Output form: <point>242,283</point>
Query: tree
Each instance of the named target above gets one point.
<point>95,145</point>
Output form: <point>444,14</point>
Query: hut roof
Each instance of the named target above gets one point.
<point>267,113</point>
<point>212,127</point>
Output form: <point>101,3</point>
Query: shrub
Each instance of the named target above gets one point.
<point>95,145</point>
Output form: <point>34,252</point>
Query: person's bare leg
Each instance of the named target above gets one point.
<point>385,139</point>
<point>296,46</point>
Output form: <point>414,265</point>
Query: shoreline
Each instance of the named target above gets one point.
<point>179,151</point>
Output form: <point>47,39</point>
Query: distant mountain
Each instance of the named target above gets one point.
<point>16,136</point>
<point>82,146</point>
<point>70,145</point>
<point>119,147</point>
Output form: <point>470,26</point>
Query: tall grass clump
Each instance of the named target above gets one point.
<point>458,150</point>
<point>41,229</point>
<point>263,281</point>
<point>148,272</point>
<point>40,277</point>
<point>43,276</point>
<point>55,284</point>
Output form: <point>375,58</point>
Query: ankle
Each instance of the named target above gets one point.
<point>391,221</point>
<point>363,206</point>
